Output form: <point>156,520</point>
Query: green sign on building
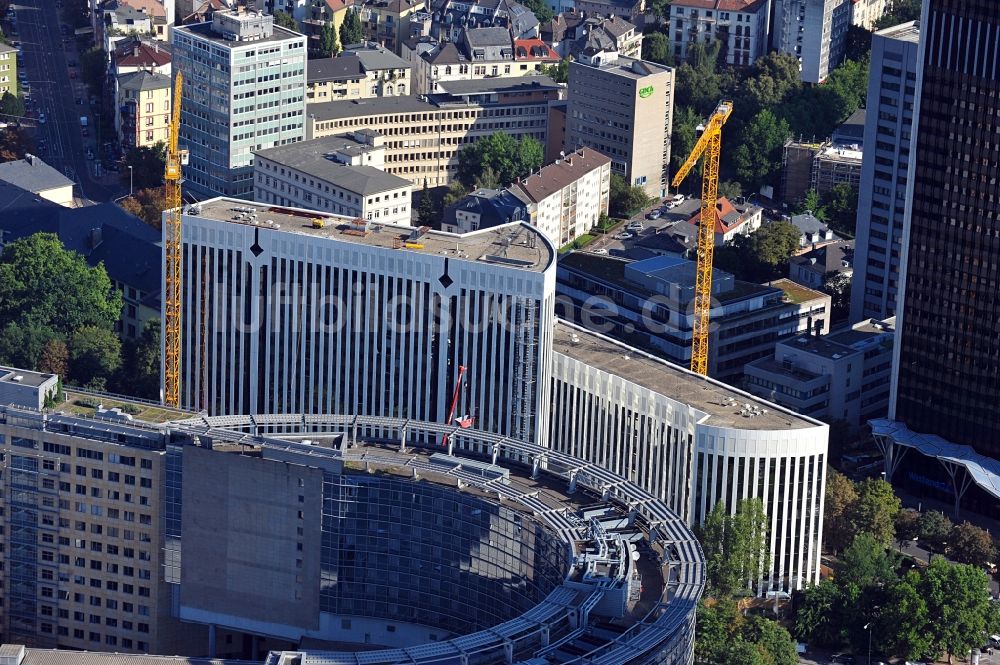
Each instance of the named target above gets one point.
<point>646,92</point>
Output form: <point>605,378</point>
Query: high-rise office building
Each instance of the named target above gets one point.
<point>288,310</point>
<point>623,108</point>
<point>244,90</point>
<point>946,384</point>
<point>815,31</point>
<point>882,194</point>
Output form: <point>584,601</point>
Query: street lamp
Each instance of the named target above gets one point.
<point>868,627</point>
<point>130,180</point>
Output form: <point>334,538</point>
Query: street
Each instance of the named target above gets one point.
<point>55,95</point>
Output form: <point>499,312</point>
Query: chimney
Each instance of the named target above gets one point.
<point>135,50</point>
<point>29,158</point>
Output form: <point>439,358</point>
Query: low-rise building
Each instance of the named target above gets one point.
<point>37,177</point>
<point>423,136</point>
<point>841,376</point>
<point>741,26</point>
<point>341,174</point>
<point>386,22</point>
<point>572,33</point>
<point>814,267</point>
<point>813,230</point>
<point>483,209</point>
<point>359,72</point>
<point>20,387</point>
<point>648,304</point>
<point>819,167</point>
<point>8,69</point>
<point>732,220</point>
<point>142,109</point>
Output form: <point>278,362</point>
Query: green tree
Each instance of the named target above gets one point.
<point>774,243</point>
<point>456,192</point>
<point>907,524</point>
<point>774,77</point>
<point>758,157</point>
<point>11,106</point>
<point>876,509</point>
<point>905,618</point>
<point>141,363</point>
<point>841,497</point>
<point>660,8</point>
<point>95,356</point>
<point>147,205</point>
<point>558,72</point>
<point>934,527</point>
<point>285,20</point>
<point>350,30</point>
<point>13,144</point>
<point>736,555</point>
<point>970,544</point>
<point>147,166</point>
<point>858,43</point>
<point>866,564</point>
<point>684,138</point>
<point>93,69</point>
<point>23,344</point>
<point>811,203</point>
<point>328,45</point>
<point>425,210</point>
<point>625,200</point>
<point>506,157</point>
<point>725,637</point>
<point>838,286</point>
<point>730,189</point>
<point>55,358</point>
<point>697,82</point>
<point>656,48</point>
<point>540,9</point>
<point>771,640</point>
<point>42,284</point>
<point>818,620</point>
<point>841,205</point>
<point>900,11</point>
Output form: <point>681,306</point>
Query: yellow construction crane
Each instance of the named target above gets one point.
<point>709,144</point>
<point>172,248</point>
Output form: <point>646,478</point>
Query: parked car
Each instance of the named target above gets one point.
<point>637,225</point>
<point>653,214</point>
<point>843,658</point>
<point>624,236</point>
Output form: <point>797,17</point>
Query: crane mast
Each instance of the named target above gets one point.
<point>710,145</point>
<point>172,250</point>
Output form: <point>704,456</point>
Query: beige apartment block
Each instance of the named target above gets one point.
<point>623,108</point>
<point>142,110</point>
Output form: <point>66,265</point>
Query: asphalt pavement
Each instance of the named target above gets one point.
<point>55,94</point>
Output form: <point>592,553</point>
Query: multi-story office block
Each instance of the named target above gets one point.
<point>693,442</point>
<point>623,108</point>
<point>423,135</point>
<point>882,195</point>
<point>843,376</point>
<point>648,304</point>
<point>740,25</point>
<point>344,175</point>
<point>289,310</point>
<point>814,31</point>
<point>946,383</point>
<point>244,90</point>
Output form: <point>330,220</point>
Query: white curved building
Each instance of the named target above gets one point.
<point>692,441</point>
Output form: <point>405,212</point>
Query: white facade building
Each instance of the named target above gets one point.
<point>368,319</point>
<point>244,90</point>
<point>741,26</point>
<point>341,174</point>
<point>815,31</point>
<point>693,442</point>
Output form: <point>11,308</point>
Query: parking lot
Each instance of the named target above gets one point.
<point>616,244</point>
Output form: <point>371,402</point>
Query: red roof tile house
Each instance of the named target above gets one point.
<point>732,220</point>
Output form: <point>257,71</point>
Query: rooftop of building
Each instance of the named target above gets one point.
<point>508,84</point>
<point>722,5</point>
<point>559,174</point>
<point>533,49</point>
<point>80,402</point>
<point>6,48</point>
<point>32,656</point>
<point>905,32</point>
<point>515,246</point>
<point>444,54</point>
<point>728,216</point>
<point>848,154</point>
<point>851,130</point>
<point>132,51</point>
<point>361,107</point>
<point>808,223</point>
<point>831,257</point>
<point>722,404</point>
<point>32,174</point>
<point>483,37</point>
<point>795,292</point>
<point>353,63</point>
<point>144,80</point>
<point>632,68</point>
<point>314,158</point>
<point>23,377</point>
<point>205,31</point>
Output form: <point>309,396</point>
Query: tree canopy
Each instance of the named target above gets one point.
<point>147,164</point>
<point>498,160</point>
<point>656,48</point>
<point>933,527</point>
<point>726,637</point>
<point>540,9</point>
<point>558,72</point>
<point>13,144</point>
<point>876,509</point>
<point>285,20</point>
<point>11,106</point>
<point>328,45</point>
<point>625,200</point>
<point>141,362</point>
<point>970,544</point>
<point>147,205</point>
<point>762,255</point>
<point>841,495</point>
<point>350,30</point>
<point>758,156</point>
<point>735,545</point>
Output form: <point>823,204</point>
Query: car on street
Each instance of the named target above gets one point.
<point>637,225</point>
<point>653,214</point>
<point>624,236</point>
<point>842,658</point>
<point>601,251</point>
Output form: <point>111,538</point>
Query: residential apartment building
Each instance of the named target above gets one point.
<point>133,54</point>
<point>142,109</point>
<point>843,376</point>
<point>341,174</point>
<point>363,71</point>
<point>567,198</point>
<point>572,33</point>
<point>630,10</point>
<point>623,108</point>
<point>692,442</point>
<point>741,26</point>
<point>866,13</point>
<point>819,167</point>
<point>8,69</point>
<point>882,198</point>
<point>732,220</point>
<point>814,31</point>
<point>422,138</point>
<point>82,531</point>
<point>483,209</point>
<point>814,267</point>
<point>386,22</point>
<point>244,90</point>
<point>946,375</point>
<point>647,303</point>
<point>354,317</point>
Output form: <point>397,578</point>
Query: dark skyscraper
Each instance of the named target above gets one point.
<point>947,372</point>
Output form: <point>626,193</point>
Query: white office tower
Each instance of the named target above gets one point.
<point>287,310</point>
<point>244,90</point>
